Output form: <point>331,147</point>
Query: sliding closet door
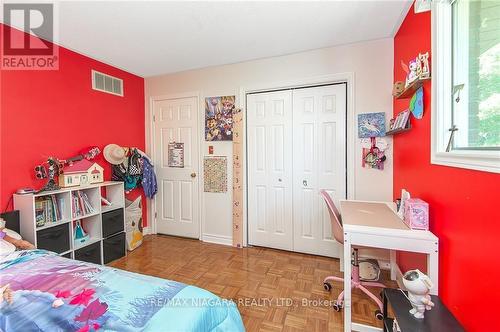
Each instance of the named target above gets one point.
<point>319,162</point>
<point>269,123</point>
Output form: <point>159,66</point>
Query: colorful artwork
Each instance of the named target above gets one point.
<point>219,118</point>
<point>417,103</point>
<point>371,125</point>
<point>215,174</point>
<point>374,153</point>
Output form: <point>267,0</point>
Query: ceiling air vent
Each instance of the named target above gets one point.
<point>106,83</point>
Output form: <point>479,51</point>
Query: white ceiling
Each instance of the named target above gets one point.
<point>150,38</point>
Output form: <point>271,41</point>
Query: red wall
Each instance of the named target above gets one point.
<point>56,113</point>
<point>463,203</point>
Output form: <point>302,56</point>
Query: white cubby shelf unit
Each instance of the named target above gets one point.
<point>91,221</point>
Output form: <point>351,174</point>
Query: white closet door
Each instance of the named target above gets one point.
<point>319,162</point>
<point>269,117</point>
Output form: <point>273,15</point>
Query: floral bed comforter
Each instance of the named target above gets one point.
<point>52,293</point>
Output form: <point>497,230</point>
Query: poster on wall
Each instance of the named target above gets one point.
<point>176,154</point>
<point>219,118</point>
<point>215,174</point>
<point>371,125</point>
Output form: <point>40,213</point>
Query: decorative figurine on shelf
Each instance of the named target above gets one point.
<point>398,88</point>
<point>50,170</point>
<point>424,60</point>
<point>411,71</point>
<point>418,285</point>
<point>80,236</point>
<point>418,68</point>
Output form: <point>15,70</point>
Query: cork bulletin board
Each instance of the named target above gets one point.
<point>215,174</point>
<point>237,178</point>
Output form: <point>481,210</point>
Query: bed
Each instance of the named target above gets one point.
<point>53,293</point>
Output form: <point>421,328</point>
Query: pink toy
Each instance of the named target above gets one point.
<point>416,214</point>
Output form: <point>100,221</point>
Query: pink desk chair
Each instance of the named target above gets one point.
<point>338,234</point>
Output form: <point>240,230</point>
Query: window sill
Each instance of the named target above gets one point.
<point>487,161</point>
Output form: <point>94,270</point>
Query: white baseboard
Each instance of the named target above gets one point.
<point>146,230</point>
<point>218,239</point>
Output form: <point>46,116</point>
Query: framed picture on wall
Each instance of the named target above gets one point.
<point>219,118</point>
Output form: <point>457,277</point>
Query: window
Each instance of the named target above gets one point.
<point>466,87</point>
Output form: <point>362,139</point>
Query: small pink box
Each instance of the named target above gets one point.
<point>416,214</point>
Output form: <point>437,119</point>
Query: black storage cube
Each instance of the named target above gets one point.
<point>54,238</point>
<point>90,253</point>
<point>112,222</point>
<point>68,255</point>
<point>114,247</point>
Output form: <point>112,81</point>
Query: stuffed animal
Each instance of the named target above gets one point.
<point>10,240</point>
<point>418,285</point>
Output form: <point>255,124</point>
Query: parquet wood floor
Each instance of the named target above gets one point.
<point>252,276</point>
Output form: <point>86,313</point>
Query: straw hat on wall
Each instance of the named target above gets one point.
<point>115,154</point>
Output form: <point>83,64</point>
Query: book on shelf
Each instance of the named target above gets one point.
<point>48,209</point>
<point>81,204</point>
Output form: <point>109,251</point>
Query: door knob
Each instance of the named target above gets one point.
<point>304,183</point>
<point>193,175</point>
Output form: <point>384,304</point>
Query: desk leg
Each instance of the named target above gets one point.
<point>433,269</point>
<point>392,254</point>
<point>347,282</point>
<point>341,257</point>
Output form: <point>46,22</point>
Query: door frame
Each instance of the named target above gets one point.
<point>150,149</point>
<point>348,78</point>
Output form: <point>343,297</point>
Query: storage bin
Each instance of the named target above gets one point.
<point>54,238</point>
<point>112,222</point>
<point>90,253</point>
<point>114,247</point>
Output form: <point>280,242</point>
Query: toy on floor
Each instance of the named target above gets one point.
<point>133,223</point>
<point>418,285</point>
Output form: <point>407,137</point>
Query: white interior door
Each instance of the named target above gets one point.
<point>269,128</point>
<point>177,201</point>
<point>319,162</point>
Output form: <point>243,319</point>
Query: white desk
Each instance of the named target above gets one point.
<point>375,224</point>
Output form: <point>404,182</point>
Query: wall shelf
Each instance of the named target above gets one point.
<point>397,131</point>
<point>410,89</point>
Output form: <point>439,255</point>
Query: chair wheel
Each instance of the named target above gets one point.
<point>379,315</point>
<point>327,286</point>
<point>337,307</point>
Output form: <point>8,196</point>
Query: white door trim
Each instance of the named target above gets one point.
<point>150,148</point>
<point>347,77</point>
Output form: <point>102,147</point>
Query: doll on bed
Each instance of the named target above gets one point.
<point>9,241</point>
<point>10,237</point>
